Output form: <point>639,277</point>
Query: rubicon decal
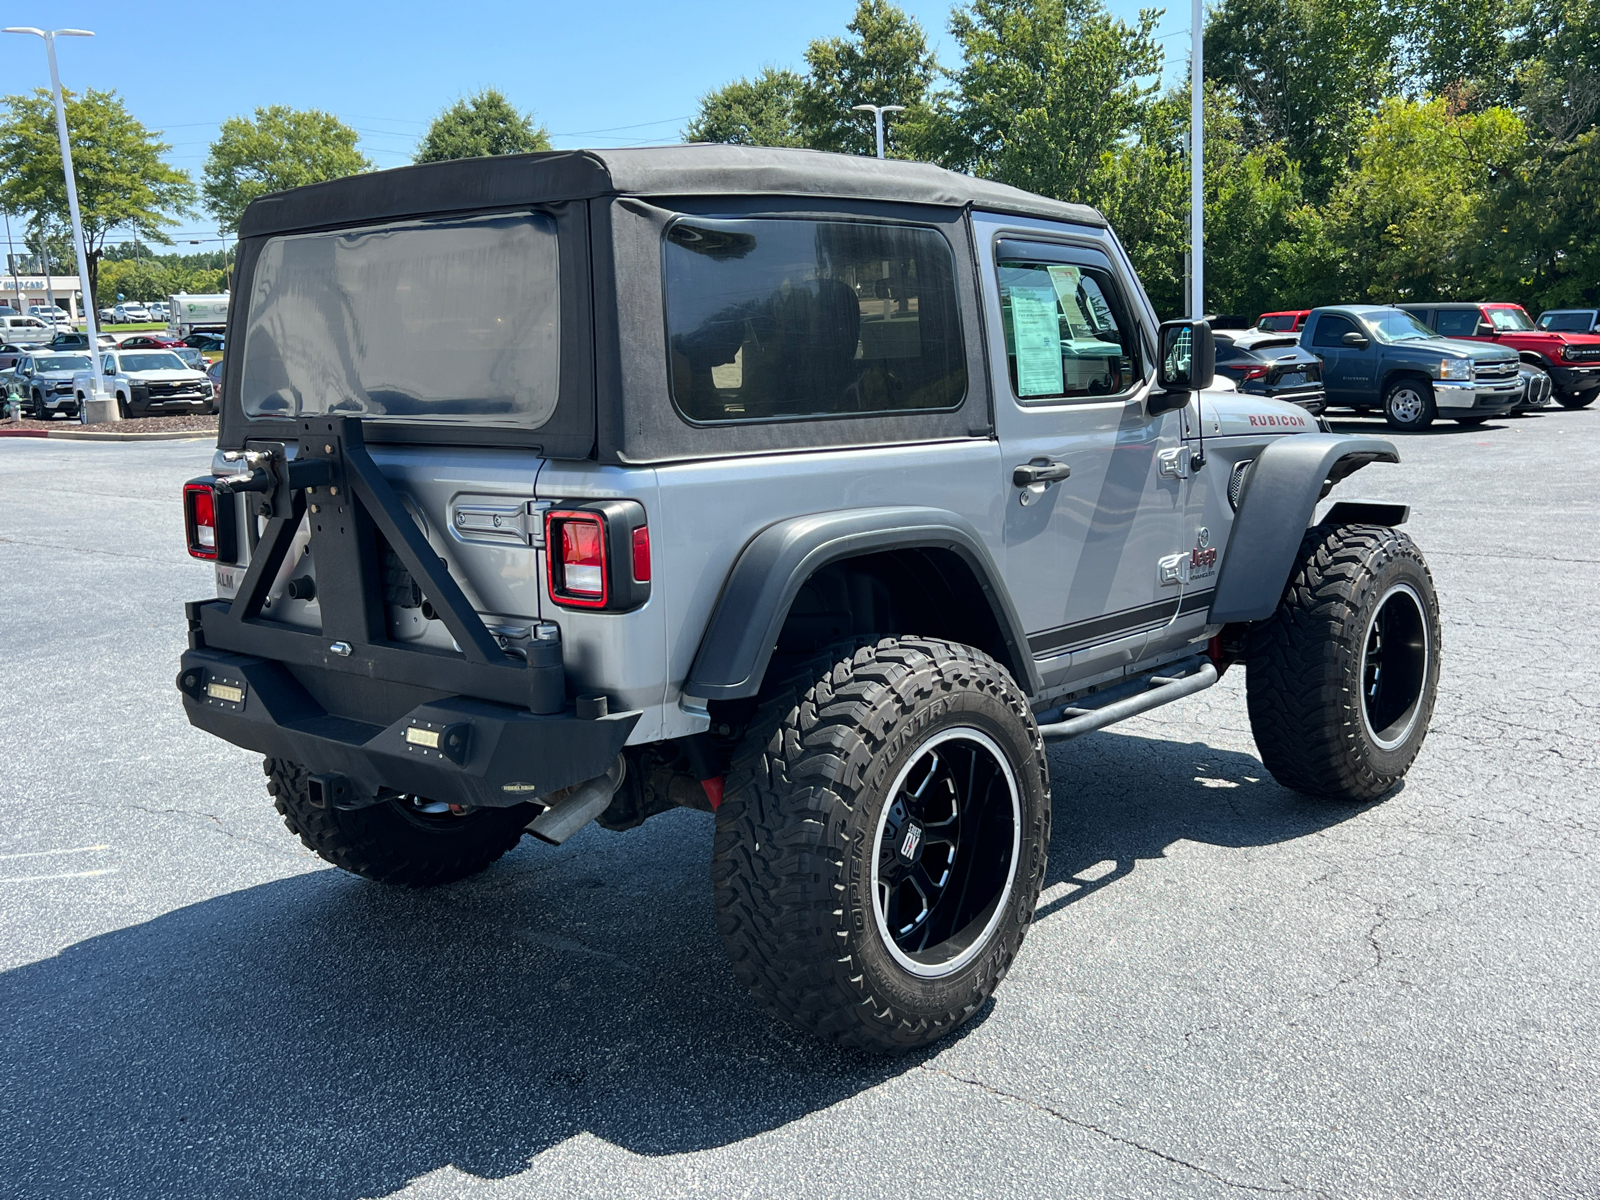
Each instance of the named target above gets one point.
<point>1274,420</point>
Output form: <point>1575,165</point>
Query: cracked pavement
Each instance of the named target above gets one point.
<point>1229,990</point>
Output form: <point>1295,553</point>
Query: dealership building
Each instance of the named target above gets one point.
<point>21,291</point>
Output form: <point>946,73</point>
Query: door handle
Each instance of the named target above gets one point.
<point>1039,470</point>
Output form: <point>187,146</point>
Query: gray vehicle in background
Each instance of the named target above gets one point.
<point>816,492</point>
<point>43,381</point>
<point>1377,356</point>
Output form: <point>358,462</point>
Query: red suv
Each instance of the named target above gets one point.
<point>1572,360</point>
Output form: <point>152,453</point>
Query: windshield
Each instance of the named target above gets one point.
<point>1572,322</point>
<point>1509,320</point>
<point>1392,325</point>
<point>152,360</point>
<point>62,362</point>
<point>443,320</point>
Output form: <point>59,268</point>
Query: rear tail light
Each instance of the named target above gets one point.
<point>598,555</point>
<point>208,522</point>
<point>1255,372</point>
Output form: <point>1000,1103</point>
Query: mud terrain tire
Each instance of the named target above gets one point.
<point>390,843</point>
<point>811,864</point>
<point>1341,680</point>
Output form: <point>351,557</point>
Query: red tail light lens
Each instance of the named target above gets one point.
<point>641,554</point>
<point>598,555</point>
<point>1255,373</point>
<point>200,519</point>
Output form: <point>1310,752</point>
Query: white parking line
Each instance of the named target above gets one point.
<point>49,853</point>
<point>68,875</point>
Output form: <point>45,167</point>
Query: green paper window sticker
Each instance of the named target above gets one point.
<point>1036,334</point>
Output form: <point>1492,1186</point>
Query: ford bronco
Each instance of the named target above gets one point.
<point>814,492</point>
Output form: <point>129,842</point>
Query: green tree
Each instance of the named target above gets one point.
<point>1411,217</point>
<point>750,112</point>
<point>280,148</point>
<point>1047,86</point>
<point>481,125</point>
<point>1308,73</point>
<point>884,61</point>
<point>122,181</point>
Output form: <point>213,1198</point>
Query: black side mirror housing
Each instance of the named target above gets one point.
<point>1358,340</point>
<point>1186,361</point>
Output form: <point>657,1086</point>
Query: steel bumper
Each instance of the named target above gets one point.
<point>453,749</point>
<point>1491,400</point>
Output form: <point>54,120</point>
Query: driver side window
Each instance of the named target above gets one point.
<point>1067,334</point>
<point>1331,330</point>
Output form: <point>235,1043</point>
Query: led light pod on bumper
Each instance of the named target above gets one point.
<point>598,555</point>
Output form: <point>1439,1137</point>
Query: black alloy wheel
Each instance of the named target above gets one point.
<point>1394,667</point>
<point>946,851</point>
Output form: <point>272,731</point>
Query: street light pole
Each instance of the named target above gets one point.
<point>96,408</point>
<point>1197,161</point>
<point>877,111</point>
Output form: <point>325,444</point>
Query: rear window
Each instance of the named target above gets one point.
<point>454,320</point>
<point>771,319</point>
<point>1276,324</point>
<point>1458,322</point>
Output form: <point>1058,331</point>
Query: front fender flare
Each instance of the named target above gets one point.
<point>775,564</point>
<point>1280,494</point>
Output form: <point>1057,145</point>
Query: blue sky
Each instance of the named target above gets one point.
<point>613,73</point>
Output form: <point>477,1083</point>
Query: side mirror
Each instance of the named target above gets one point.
<point>1186,362</point>
<point>1358,340</point>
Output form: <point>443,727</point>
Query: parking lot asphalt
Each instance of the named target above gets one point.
<point>1230,989</point>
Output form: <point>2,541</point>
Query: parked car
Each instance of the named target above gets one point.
<point>149,383</point>
<point>211,343</point>
<point>1290,321</point>
<point>130,313</point>
<point>76,340</point>
<point>1537,390</point>
<point>45,383</point>
<point>1280,368</point>
<point>822,498</point>
<point>157,310</point>
<point>151,341</point>
<point>1570,320</point>
<point>1379,357</point>
<point>26,331</point>
<point>50,314</point>
<point>106,316</point>
<point>192,358</point>
<point>11,354</point>
<point>1572,360</point>
<point>214,374</point>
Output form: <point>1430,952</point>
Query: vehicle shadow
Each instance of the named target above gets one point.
<point>1352,423</point>
<point>320,1036</point>
<point>1120,798</point>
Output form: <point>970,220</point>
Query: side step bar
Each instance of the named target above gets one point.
<point>1173,682</point>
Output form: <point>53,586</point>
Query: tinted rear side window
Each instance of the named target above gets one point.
<point>772,319</point>
<point>454,321</point>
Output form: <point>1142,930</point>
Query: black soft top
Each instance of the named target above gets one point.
<point>690,170</point>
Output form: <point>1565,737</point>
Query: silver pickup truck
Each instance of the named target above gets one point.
<point>815,492</point>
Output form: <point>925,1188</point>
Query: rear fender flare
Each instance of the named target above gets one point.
<point>775,564</point>
<point>1277,501</point>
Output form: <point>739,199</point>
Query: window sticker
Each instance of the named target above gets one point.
<point>1067,281</point>
<point>1036,327</point>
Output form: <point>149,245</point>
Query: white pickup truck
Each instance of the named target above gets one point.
<point>149,383</point>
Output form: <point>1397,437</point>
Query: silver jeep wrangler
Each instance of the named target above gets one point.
<point>816,492</point>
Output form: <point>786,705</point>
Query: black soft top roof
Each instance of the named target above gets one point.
<point>690,170</point>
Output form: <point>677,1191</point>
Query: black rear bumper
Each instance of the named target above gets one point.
<point>453,749</point>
